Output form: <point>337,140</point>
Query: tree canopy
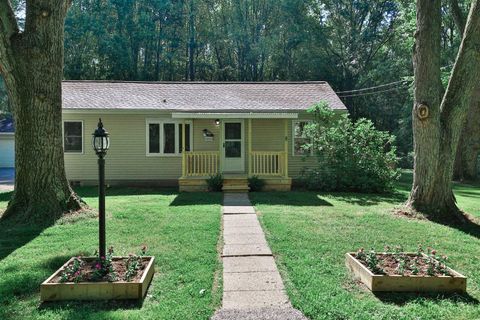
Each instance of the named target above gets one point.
<point>351,44</point>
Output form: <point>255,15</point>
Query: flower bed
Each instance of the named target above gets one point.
<point>94,278</point>
<point>401,271</point>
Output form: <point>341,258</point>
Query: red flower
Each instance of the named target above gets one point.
<point>98,266</point>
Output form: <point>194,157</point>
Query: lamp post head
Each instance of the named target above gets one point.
<point>101,140</point>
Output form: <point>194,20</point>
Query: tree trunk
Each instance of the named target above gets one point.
<point>437,123</point>
<point>33,71</point>
<point>469,145</point>
<point>466,163</point>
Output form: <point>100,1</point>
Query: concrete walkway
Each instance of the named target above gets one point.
<point>252,286</point>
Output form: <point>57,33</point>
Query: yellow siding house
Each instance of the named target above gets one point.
<point>180,133</point>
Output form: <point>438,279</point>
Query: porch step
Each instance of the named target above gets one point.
<point>232,189</point>
<point>235,185</point>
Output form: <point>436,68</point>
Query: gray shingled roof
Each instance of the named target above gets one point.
<point>198,96</point>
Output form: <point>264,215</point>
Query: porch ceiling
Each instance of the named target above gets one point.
<point>230,115</point>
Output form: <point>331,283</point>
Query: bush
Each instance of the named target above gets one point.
<point>352,156</point>
<point>215,183</point>
<point>255,183</point>
<point>406,161</point>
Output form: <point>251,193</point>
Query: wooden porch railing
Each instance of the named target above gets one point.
<point>201,163</point>
<point>267,163</point>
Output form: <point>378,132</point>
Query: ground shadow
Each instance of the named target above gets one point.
<point>401,299</point>
<point>368,199</point>
<point>197,198</point>
<point>92,192</point>
<point>292,198</point>
<point>6,196</point>
<point>89,309</point>
<point>469,225</point>
<point>14,235</point>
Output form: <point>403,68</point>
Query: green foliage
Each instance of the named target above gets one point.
<point>255,183</point>
<point>215,183</point>
<point>4,104</point>
<point>352,156</point>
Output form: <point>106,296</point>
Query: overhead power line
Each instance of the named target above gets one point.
<point>372,88</point>
<point>372,93</point>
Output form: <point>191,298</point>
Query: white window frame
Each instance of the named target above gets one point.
<point>161,122</point>
<point>63,137</point>
<point>294,122</point>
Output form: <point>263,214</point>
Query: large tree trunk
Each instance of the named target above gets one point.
<point>437,123</point>
<point>466,163</point>
<point>469,146</point>
<point>33,70</point>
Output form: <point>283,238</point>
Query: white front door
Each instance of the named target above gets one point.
<point>233,146</point>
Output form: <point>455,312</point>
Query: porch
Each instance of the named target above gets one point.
<point>238,146</point>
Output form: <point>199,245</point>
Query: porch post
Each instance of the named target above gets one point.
<point>286,149</point>
<point>220,146</point>
<point>249,147</point>
<point>184,156</point>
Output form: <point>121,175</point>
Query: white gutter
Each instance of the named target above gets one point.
<point>228,115</point>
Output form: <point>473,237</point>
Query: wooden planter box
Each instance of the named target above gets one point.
<point>121,290</point>
<point>374,282</point>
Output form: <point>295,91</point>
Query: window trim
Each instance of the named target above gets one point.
<point>63,137</point>
<point>294,122</point>
<point>161,122</point>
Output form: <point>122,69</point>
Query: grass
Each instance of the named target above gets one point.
<point>181,230</point>
<point>310,232</point>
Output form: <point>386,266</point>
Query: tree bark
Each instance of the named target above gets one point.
<point>437,124</point>
<point>466,162</point>
<point>32,65</point>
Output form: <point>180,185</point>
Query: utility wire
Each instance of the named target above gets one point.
<point>359,92</point>
<point>371,88</point>
<point>371,93</point>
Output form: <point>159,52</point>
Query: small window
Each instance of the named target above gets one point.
<point>187,137</point>
<point>154,138</point>
<point>73,136</point>
<point>300,139</point>
<point>165,137</point>
<point>169,138</point>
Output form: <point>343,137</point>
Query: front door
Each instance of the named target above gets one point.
<point>233,146</point>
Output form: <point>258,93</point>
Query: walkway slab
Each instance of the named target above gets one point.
<point>247,209</point>
<point>260,313</point>
<point>248,264</point>
<point>243,230</point>
<point>235,250</point>
<point>254,299</point>
<point>250,221</point>
<point>252,281</point>
<point>235,238</point>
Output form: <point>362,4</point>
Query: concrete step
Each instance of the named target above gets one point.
<point>236,188</point>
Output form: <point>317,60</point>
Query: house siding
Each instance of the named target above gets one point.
<point>127,159</point>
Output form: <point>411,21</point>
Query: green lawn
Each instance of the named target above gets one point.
<point>309,233</point>
<point>181,230</point>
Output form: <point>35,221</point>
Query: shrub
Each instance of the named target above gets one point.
<point>215,183</point>
<point>352,156</point>
<point>406,161</point>
<point>255,183</point>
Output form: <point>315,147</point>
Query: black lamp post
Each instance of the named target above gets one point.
<point>100,143</point>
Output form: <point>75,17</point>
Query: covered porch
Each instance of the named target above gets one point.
<point>236,145</point>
